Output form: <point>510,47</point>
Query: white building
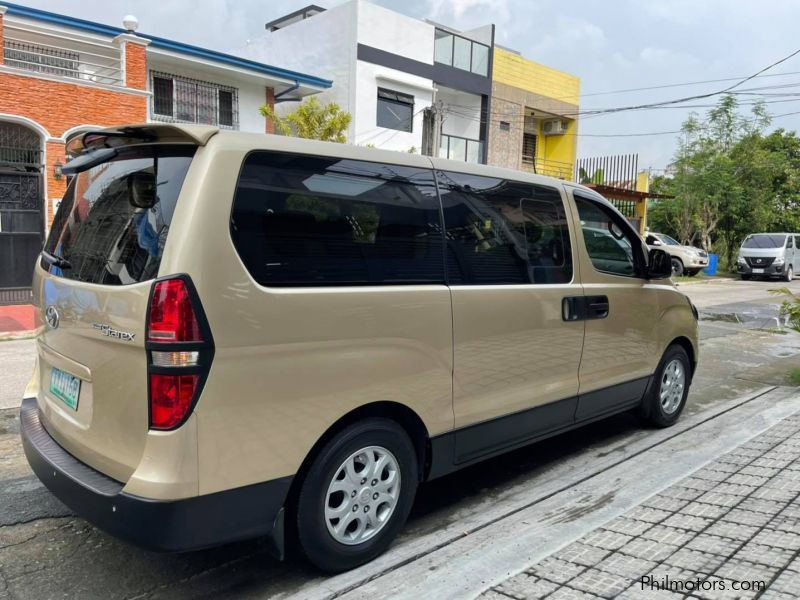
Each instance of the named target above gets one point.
<point>387,69</point>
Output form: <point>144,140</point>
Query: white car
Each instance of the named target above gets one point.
<point>686,260</point>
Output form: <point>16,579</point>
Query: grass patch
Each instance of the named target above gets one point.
<point>794,376</point>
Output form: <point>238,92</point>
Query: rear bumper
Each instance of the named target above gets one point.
<point>165,526</point>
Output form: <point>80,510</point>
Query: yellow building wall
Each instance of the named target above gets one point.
<point>519,72</point>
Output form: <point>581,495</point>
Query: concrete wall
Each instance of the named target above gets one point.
<point>324,44</point>
<point>369,77</point>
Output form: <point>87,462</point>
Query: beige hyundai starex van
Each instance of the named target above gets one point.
<point>244,335</point>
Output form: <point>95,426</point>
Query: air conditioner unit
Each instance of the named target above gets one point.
<point>554,127</point>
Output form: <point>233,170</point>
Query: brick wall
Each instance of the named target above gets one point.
<point>1,33</point>
<point>135,65</point>
<point>505,146</point>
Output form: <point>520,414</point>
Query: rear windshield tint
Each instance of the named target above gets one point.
<point>765,241</point>
<point>110,227</point>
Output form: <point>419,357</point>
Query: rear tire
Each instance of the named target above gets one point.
<point>666,397</point>
<point>357,494</point>
<point>677,267</point>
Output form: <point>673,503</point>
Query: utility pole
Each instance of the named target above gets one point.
<point>432,129</point>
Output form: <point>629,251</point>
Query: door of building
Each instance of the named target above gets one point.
<point>21,210</point>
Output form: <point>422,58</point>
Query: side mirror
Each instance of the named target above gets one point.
<point>659,264</point>
<point>657,243</point>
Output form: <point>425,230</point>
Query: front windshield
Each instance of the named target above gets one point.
<point>667,240</point>
<point>764,240</point>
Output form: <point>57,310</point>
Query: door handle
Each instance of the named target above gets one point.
<point>598,307</point>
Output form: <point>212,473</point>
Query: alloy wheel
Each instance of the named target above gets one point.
<point>363,495</point>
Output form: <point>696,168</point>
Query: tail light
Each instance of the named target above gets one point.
<point>180,350</point>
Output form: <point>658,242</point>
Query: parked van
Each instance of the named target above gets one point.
<point>769,255</point>
<point>247,334</point>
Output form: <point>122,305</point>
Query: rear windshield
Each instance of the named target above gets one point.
<point>764,241</point>
<point>110,226</point>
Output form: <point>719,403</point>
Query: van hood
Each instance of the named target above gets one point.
<point>761,252</point>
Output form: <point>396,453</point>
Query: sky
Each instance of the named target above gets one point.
<point>613,45</point>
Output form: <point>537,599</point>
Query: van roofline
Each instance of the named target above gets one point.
<point>202,134</point>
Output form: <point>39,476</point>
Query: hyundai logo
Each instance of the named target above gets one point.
<point>51,316</point>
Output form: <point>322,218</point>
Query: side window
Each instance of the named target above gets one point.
<point>395,110</point>
<point>503,232</point>
<point>314,221</point>
<point>609,245</point>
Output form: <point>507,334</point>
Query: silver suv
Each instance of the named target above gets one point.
<point>686,260</point>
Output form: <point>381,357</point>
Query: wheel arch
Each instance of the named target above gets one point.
<point>401,414</point>
<point>687,345</point>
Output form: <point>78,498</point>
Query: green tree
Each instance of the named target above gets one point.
<point>311,120</point>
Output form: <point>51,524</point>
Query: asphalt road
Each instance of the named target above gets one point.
<point>45,552</point>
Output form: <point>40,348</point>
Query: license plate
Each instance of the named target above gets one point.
<point>758,270</point>
<point>65,387</point>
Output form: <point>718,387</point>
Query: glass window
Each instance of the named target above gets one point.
<point>458,148</point>
<point>480,59</point>
<point>395,110</point>
<point>162,96</point>
<point>313,221</point>
<point>225,108</point>
<point>503,232</point>
<point>607,241</point>
<point>186,94</point>
<point>113,221</point>
<point>764,240</point>
<point>462,50</point>
<point>474,151</point>
<point>443,47</point>
<point>182,99</point>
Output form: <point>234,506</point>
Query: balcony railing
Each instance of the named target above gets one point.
<point>551,168</point>
<point>101,64</point>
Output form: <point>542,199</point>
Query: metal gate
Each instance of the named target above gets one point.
<point>21,210</point>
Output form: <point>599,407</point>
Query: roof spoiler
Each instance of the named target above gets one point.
<point>125,135</point>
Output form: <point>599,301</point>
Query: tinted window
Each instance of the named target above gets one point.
<point>304,221</point>
<point>504,232</point>
<point>395,110</point>
<point>607,243</point>
<point>110,226</point>
<point>764,240</point>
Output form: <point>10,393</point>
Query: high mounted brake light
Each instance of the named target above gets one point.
<point>180,351</point>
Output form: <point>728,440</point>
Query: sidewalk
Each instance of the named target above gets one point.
<point>17,320</point>
<point>735,523</point>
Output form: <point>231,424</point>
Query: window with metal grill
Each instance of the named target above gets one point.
<point>185,100</point>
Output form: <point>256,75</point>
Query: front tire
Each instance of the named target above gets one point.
<point>666,396</point>
<point>356,496</point>
<point>789,274</point>
<point>746,277</point>
<point>692,273</point>
<point>677,267</point>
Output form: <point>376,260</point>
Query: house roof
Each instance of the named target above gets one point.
<point>165,44</point>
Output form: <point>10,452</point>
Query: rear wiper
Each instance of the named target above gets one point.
<point>56,261</point>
